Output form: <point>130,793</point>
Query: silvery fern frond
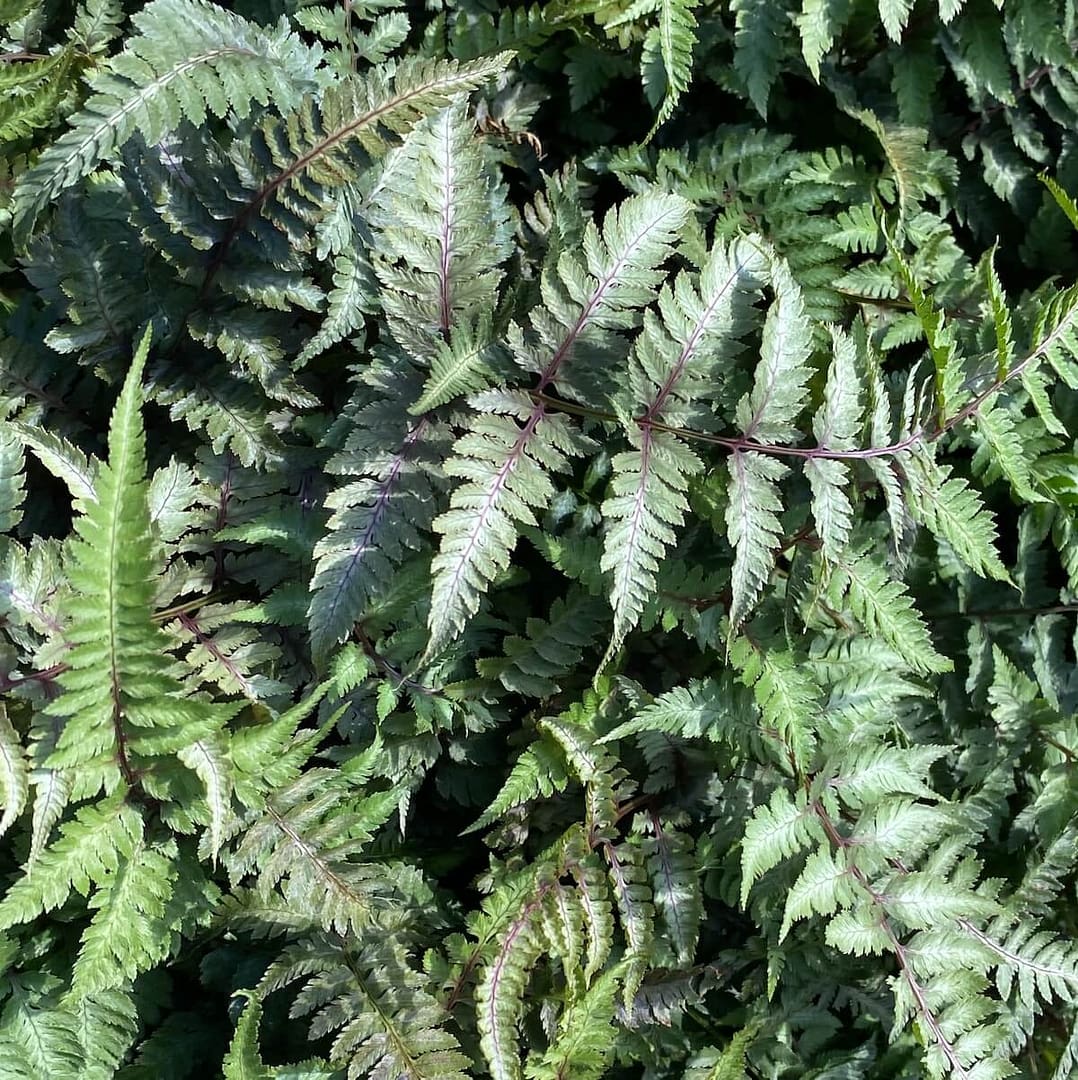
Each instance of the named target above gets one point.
<point>443,229</point>
<point>516,441</point>
<point>676,361</point>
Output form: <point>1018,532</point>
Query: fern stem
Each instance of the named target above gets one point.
<point>387,668</point>
<point>188,606</point>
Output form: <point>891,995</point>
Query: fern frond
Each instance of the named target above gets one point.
<point>940,335</point>
<point>1001,317</point>
<point>786,694</point>
<point>138,913</point>
<point>953,511</point>
<point>884,608</point>
<point>759,45</point>
<point>61,458</point>
<point>352,296</point>
<point>674,365</point>
<point>636,911</point>
<point>552,648</point>
<point>380,514</point>
<point>12,480</point>
<point>836,426</point>
<point>91,847</point>
<point>304,843</point>
<point>326,143</point>
<point>447,230</point>
<point>188,60</point>
<point>672,41</point>
<point>780,386</point>
<point>776,832</point>
<point>675,889</point>
<point>370,998</point>
<point>243,1060</point>
<point>538,773</point>
<point>14,773</point>
<point>38,1041</point>
<point>819,23</point>
<point>123,706</point>
<point>515,442</point>
<point>753,528</point>
<point>585,1036</point>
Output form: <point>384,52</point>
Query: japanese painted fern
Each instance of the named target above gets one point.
<point>465,617</point>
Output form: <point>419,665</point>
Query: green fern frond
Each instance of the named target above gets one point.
<point>884,608</point>
<point>785,693</point>
<point>12,481</point>
<point>304,844</point>
<point>584,1039</point>
<point>532,664</point>
<point>776,832</point>
<point>138,913</point>
<point>953,511</point>
<point>91,847</point>
<point>1001,317</point>
<point>940,335</point>
<point>672,41</point>
<point>123,707</point>
<point>538,773</point>
<point>352,297</point>
<point>759,45</point>
<point>243,1060</point>
<point>819,23</point>
<point>14,773</point>
<point>372,1000</point>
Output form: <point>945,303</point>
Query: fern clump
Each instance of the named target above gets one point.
<point>539,541</point>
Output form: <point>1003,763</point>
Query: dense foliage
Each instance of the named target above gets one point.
<point>538,542</point>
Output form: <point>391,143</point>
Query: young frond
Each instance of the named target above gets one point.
<point>122,706</point>
<point>92,846</point>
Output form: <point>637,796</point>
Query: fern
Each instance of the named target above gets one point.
<point>516,442</point>
<point>573,582</point>
<point>673,367</point>
<point>175,66</point>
